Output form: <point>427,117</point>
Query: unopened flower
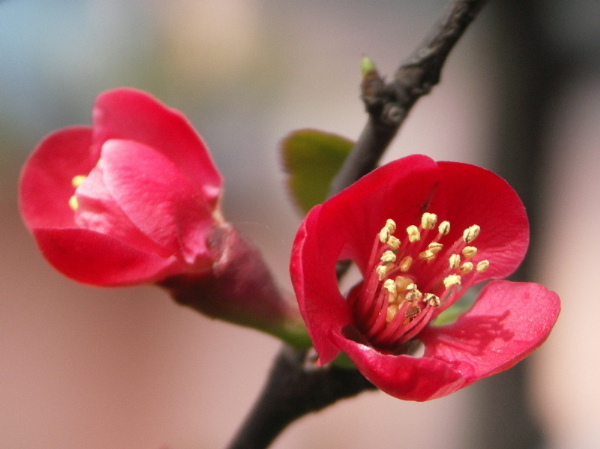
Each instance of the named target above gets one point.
<point>130,199</point>
<point>457,225</point>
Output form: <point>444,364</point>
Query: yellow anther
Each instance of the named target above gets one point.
<point>454,261</point>
<point>426,255</point>
<point>73,203</point>
<point>384,234</point>
<point>405,264</point>
<point>390,286</point>
<point>393,242</point>
<point>392,310</point>
<point>432,300</point>
<point>451,281</point>
<point>435,247</point>
<point>471,233</point>
<point>482,266</point>
<point>387,231</point>
<point>469,251</point>
<point>444,227</point>
<point>411,286</point>
<point>381,271</point>
<point>402,283</point>
<point>388,257</point>
<point>414,295</point>
<point>466,267</point>
<point>391,225</point>
<point>428,220</point>
<point>413,233</point>
<point>78,180</point>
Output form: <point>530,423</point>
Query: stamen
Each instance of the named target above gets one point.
<point>381,271</point>
<point>454,260</point>
<point>432,300</point>
<point>413,234</point>
<point>393,242</point>
<point>482,266</point>
<point>469,251</point>
<point>387,230</point>
<point>444,227</point>
<point>427,255</point>
<point>73,203</point>
<point>435,247</point>
<point>405,264</point>
<point>78,180</point>
<point>390,286</point>
<point>451,281</point>
<point>388,257</point>
<point>466,267</point>
<point>414,294</point>
<point>384,234</point>
<point>428,220</point>
<point>391,225</point>
<point>471,233</point>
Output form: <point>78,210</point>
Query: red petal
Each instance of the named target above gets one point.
<point>97,259</point>
<point>129,114</point>
<point>45,185</point>
<point>402,376</point>
<point>507,322</point>
<point>157,198</point>
<point>99,212</point>
<point>473,195</point>
<point>313,274</point>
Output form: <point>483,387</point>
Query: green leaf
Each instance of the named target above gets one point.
<point>312,158</point>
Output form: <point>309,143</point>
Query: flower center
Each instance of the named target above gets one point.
<point>409,282</point>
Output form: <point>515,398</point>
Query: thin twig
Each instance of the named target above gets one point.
<point>295,387</point>
<point>388,104</point>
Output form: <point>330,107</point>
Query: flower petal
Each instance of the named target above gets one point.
<point>129,114</point>
<point>99,212</point>
<point>313,275</point>
<point>156,196</point>
<point>397,190</point>
<point>508,322</point>
<point>402,376</point>
<point>474,195</point>
<point>97,259</point>
<point>45,186</point>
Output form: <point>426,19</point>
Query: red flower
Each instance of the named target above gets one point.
<point>131,199</point>
<point>421,234</point>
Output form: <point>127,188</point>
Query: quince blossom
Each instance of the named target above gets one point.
<point>135,199</point>
<point>421,233</point>
<point>129,200</point>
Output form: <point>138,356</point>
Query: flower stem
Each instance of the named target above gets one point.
<point>294,388</point>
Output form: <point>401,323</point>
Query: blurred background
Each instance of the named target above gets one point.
<point>83,367</point>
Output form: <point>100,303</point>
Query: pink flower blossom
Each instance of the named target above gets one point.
<point>421,233</point>
<point>131,199</point>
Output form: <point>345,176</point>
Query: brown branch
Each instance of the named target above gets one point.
<point>295,388</point>
<point>388,104</point>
